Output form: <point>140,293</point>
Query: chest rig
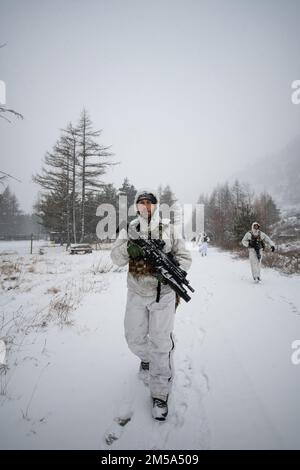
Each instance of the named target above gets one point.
<point>257,241</point>
<point>139,267</point>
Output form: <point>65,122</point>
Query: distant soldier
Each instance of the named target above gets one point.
<point>204,240</point>
<point>255,241</point>
<point>201,242</point>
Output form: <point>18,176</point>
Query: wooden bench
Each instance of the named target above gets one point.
<point>80,248</point>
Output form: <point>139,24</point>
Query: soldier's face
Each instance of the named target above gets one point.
<point>145,208</point>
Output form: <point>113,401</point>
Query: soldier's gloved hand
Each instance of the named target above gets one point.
<point>251,244</point>
<point>160,278</point>
<point>273,249</point>
<point>134,250</point>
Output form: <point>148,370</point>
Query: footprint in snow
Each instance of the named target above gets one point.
<point>201,334</point>
<point>292,306</point>
<point>115,431</point>
<point>188,363</point>
<point>203,382</point>
<point>184,379</point>
<point>179,413</point>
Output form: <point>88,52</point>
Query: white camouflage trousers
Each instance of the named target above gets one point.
<point>148,332</point>
<point>203,249</point>
<point>255,262</point>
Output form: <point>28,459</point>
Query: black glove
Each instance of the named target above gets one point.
<point>160,278</point>
<point>134,250</point>
<point>251,244</point>
<point>273,249</point>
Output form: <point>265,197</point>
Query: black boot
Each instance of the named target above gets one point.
<point>144,372</point>
<point>159,409</point>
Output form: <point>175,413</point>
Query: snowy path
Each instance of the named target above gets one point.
<point>235,385</point>
<point>253,386</point>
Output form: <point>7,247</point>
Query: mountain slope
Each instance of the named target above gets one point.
<point>278,174</point>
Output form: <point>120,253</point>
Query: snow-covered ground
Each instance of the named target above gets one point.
<point>72,383</point>
<point>22,247</point>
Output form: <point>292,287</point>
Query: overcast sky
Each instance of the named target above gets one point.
<point>187,92</point>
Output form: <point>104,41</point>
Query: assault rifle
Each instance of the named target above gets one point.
<point>167,267</point>
<point>257,244</point>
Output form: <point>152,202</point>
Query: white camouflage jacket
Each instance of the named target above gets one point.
<point>263,237</point>
<point>147,285</point>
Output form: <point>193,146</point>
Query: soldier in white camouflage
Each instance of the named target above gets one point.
<point>151,304</point>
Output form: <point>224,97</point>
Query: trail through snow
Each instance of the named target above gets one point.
<point>77,387</point>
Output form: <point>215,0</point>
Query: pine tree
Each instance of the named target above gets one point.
<point>9,213</point>
<point>93,161</point>
<point>266,210</point>
<point>166,196</point>
<point>230,211</point>
<point>70,178</point>
<point>55,179</point>
<point>242,221</point>
<point>129,191</point>
<point>106,195</point>
<point>70,139</point>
